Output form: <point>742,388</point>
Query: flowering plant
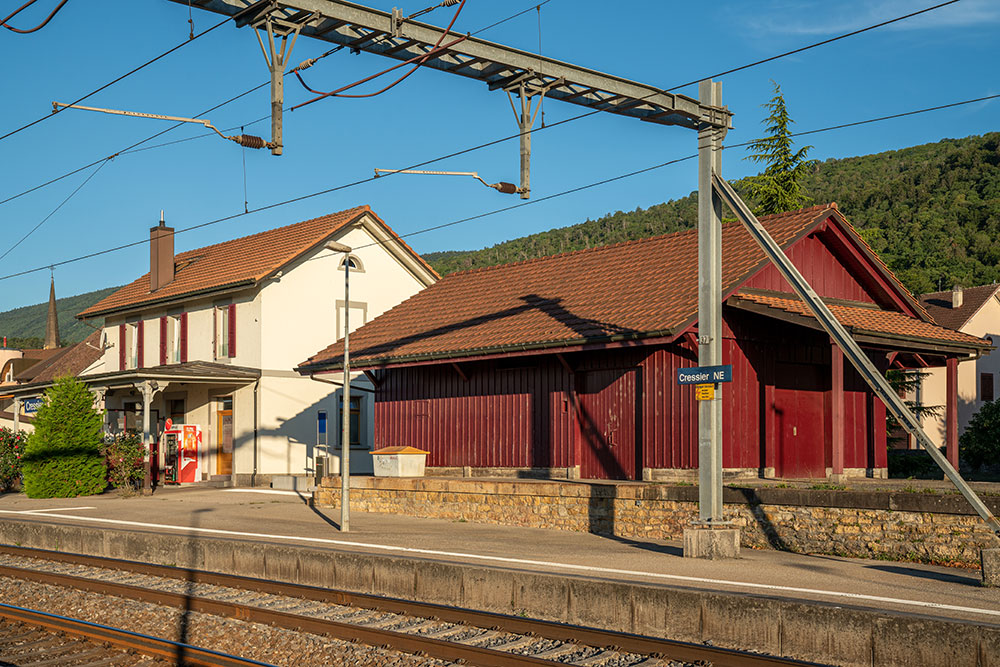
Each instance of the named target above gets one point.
<point>11,449</point>
<point>124,455</point>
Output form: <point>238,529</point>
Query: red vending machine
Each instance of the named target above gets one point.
<point>180,445</point>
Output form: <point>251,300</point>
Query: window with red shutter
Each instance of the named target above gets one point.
<point>232,330</point>
<point>121,347</point>
<point>184,338</point>
<point>140,348</point>
<point>163,341</point>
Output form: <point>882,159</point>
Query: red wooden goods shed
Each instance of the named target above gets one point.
<point>566,366</point>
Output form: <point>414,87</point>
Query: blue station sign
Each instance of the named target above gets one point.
<point>31,405</point>
<point>705,374</point>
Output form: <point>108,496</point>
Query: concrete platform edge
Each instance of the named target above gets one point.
<point>806,630</point>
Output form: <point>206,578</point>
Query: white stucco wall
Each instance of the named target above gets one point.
<point>985,323</point>
<point>280,325</point>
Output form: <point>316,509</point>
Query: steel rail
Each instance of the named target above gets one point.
<point>626,642</point>
<point>125,639</point>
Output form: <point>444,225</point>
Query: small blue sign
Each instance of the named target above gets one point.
<point>321,422</point>
<point>31,405</point>
<point>705,374</point>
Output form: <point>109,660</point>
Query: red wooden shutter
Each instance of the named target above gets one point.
<point>184,338</point>
<point>232,330</point>
<point>121,347</point>
<point>140,346</point>
<point>163,341</point>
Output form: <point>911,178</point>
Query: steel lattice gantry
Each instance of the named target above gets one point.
<point>520,73</point>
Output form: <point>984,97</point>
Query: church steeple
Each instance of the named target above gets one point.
<point>52,323</point>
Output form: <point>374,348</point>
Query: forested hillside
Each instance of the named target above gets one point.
<point>932,212</point>
<point>28,322</point>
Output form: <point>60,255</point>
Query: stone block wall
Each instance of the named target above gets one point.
<point>870,524</point>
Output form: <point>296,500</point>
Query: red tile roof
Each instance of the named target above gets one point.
<point>636,289</point>
<point>938,304</point>
<point>864,319</point>
<point>245,260</point>
<point>75,360</point>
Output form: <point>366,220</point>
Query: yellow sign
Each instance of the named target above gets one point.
<point>704,392</point>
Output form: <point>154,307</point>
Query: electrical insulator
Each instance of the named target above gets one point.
<point>249,141</point>
<point>506,188</point>
<point>305,64</point>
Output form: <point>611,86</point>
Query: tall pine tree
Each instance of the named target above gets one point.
<point>778,188</point>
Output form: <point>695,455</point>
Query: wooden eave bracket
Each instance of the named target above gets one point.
<point>373,378</point>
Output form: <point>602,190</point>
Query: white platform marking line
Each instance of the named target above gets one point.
<point>273,492</point>
<point>53,509</point>
<point>523,561</point>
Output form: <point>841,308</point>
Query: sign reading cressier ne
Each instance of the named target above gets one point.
<point>705,374</point>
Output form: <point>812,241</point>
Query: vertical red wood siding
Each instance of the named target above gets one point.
<point>827,274</point>
<point>184,338</point>
<point>121,347</point>
<point>163,341</point>
<point>232,330</point>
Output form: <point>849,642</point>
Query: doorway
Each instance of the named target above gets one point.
<point>609,433</point>
<point>224,437</point>
<point>800,421</point>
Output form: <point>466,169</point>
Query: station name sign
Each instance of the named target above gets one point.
<point>705,374</point>
<point>31,405</point>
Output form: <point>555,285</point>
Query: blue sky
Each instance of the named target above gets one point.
<point>944,56</point>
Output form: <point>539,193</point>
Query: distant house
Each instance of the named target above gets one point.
<point>975,311</point>
<point>566,366</point>
<point>84,358</point>
<point>210,337</point>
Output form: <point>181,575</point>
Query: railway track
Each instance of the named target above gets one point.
<point>437,632</point>
<point>30,637</point>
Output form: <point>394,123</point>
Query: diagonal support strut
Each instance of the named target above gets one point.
<point>850,347</point>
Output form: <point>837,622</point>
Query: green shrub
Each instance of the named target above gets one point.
<point>11,450</point>
<point>123,453</point>
<point>63,456</point>
<point>980,444</point>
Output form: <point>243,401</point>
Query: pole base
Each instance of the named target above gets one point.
<point>990,561</point>
<point>711,543</point>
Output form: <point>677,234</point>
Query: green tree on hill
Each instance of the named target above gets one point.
<point>63,456</point>
<point>779,187</point>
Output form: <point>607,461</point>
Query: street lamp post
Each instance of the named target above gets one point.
<point>345,435</point>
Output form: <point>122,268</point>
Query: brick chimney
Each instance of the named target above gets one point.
<point>161,255</point>
<point>957,298</point>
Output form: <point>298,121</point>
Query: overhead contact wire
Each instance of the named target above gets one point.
<point>564,193</point>
<point>113,81</point>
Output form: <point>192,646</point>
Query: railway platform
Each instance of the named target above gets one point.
<point>765,597</point>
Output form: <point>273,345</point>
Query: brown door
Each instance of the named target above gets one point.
<point>224,440</point>
<point>609,440</point>
<point>800,421</point>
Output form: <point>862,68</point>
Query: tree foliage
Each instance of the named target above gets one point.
<point>778,188</point>
<point>29,321</point>
<point>931,212</point>
<point>63,456</point>
<point>979,444</point>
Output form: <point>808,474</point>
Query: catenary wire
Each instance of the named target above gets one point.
<point>518,135</point>
<point>564,193</point>
<point>511,17</point>
<point>53,212</point>
<point>37,27</point>
<point>137,147</point>
<point>114,81</point>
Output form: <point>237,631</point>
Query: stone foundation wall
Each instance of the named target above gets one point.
<point>870,524</point>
